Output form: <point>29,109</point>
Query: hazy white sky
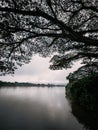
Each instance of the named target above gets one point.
<point>37,71</point>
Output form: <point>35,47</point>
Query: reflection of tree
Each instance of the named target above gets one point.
<point>88,118</point>
<point>45,26</point>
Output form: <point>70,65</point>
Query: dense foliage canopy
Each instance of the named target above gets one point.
<point>68,27</point>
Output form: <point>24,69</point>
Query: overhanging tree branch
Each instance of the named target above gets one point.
<point>74,36</point>
<point>28,27</point>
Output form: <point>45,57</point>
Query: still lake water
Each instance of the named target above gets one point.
<point>36,108</point>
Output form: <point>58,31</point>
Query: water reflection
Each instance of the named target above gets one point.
<point>88,118</point>
<point>35,108</point>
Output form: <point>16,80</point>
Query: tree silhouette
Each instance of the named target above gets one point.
<point>68,27</point>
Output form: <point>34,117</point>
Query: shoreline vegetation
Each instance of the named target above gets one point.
<point>83,98</point>
<point>27,84</point>
<point>84,92</point>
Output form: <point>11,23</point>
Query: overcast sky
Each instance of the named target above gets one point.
<point>37,71</point>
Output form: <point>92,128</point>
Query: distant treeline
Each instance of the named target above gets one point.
<point>15,84</point>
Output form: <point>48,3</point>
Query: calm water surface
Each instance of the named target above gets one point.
<point>36,108</point>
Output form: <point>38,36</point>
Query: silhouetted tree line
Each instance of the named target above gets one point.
<point>13,84</point>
